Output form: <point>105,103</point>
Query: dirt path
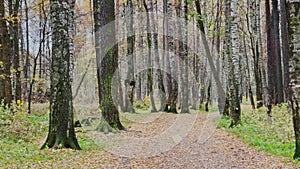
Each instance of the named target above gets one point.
<point>221,150</point>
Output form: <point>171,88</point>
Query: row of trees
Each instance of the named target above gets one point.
<point>196,53</point>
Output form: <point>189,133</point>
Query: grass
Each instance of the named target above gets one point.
<point>22,134</point>
<point>274,135</point>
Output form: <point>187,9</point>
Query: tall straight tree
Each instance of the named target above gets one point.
<point>97,27</point>
<point>149,9</point>
<point>294,91</point>
<point>279,84</point>
<point>270,59</point>
<point>27,60</point>
<point>170,86</point>
<point>174,90</point>
<point>254,38</point>
<point>233,60</point>
<point>14,31</point>
<point>155,53</point>
<point>285,46</point>
<point>61,128</point>
<point>130,81</point>
<point>108,57</point>
<point>215,74</point>
<point>184,56</point>
<point>5,61</point>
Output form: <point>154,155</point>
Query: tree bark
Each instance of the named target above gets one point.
<point>233,60</point>
<point>294,88</point>
<point>184,57</point>
<point>270,59</point>
<point>279,85</point>
<point>285,47</point>
<point>108,61</point>
<point>254,13</point>
<point>61,127</point>
<point>27,60</point>
<point>166,55</point>
<point>130,80</point>
<point>220,90</point>
<point>14,24</point>
<point>5,61</point>
<point>148,7</point>
<point>97,28</point>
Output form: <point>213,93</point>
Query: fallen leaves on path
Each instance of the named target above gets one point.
<point>221,150</point>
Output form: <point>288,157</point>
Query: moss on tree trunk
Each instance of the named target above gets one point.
<point>61,128</point>
<point>107,62</point>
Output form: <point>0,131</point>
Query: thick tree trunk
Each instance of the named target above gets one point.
<point>61,128</point>
<point>108,63</point>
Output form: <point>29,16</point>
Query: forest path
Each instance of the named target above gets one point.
<point>220,150</point>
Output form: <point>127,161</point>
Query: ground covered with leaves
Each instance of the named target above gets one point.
<point>157,140</point>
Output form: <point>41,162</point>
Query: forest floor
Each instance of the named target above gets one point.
<point>164,140</point>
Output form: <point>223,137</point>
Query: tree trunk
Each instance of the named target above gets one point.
<point>155,55</point>
<point>140,51</point>
<point>184,56</point>
<point>248,76</point>
<point>99,51</point>
<point>227,49</point>
<point>279,86</point>
<point>15,48</point>
<point>235,107</point>
<point>148,8</point>
<point>270,60</point>
<point>61,128</point>
<point>130,81</point>
<point>109,54</point>
<point>285,47</point>
<point>253,30</point>
<point>27,60</point>
<point>5,55</point>
<point>220,90</point>
<point>208,96</point>
<point>174,62</point>
<point>294,89</point>
<point>166,55</point>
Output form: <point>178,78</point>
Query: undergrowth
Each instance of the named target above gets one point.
<point>22,134</point>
